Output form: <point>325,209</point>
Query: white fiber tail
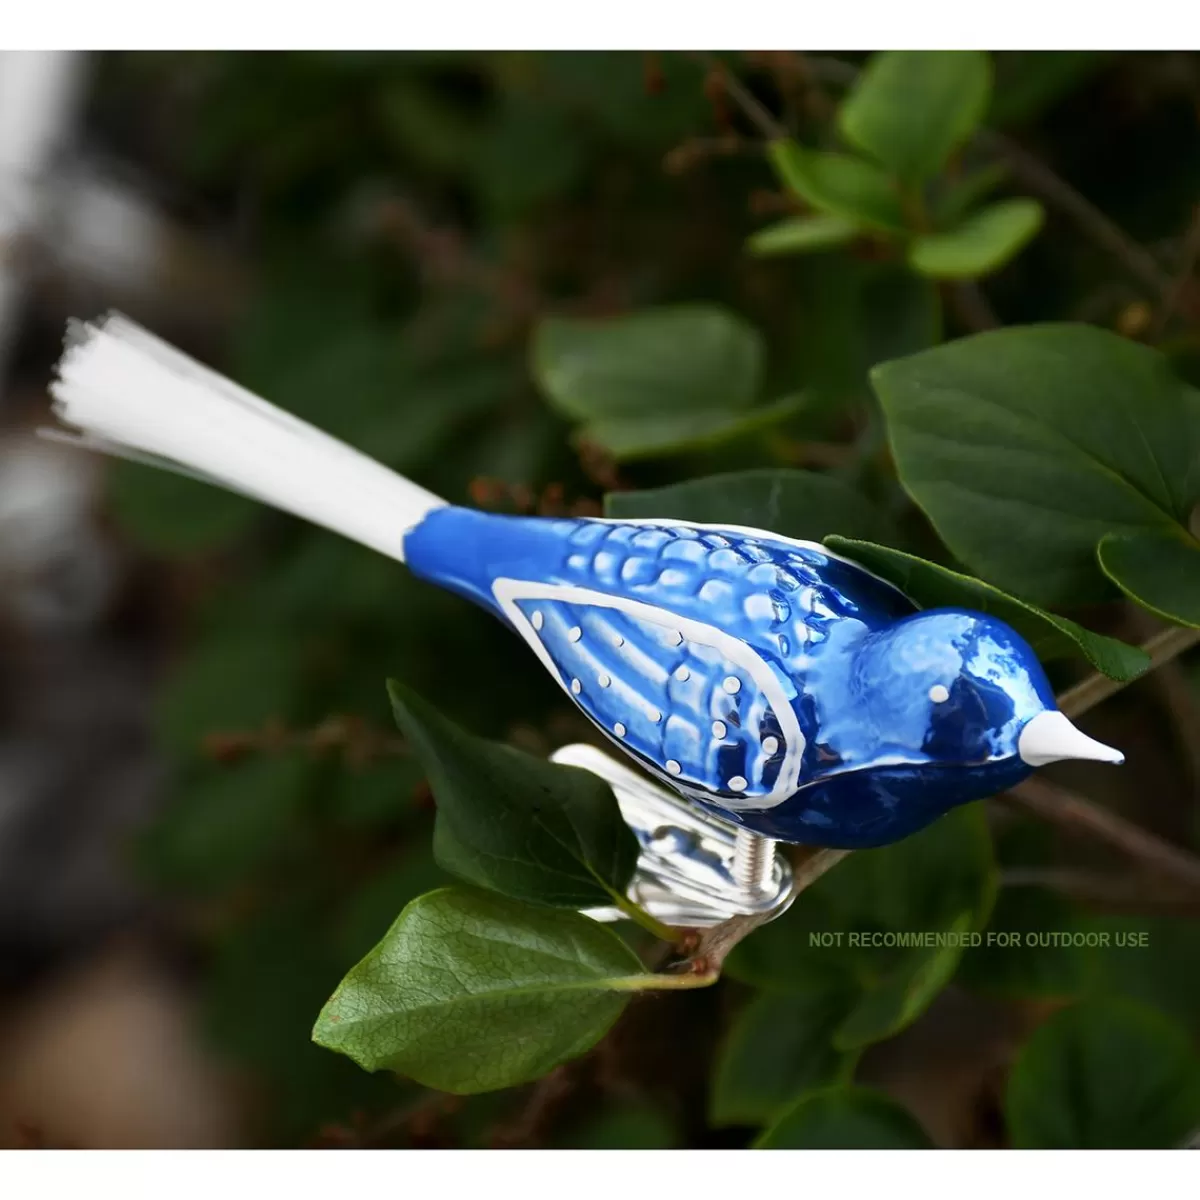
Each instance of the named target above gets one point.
<point>129,393</point>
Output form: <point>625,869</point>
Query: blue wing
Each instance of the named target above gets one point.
<point>698,706</point>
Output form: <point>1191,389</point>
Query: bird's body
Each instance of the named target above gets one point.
<point>768,679</point>
<point>737,666</point>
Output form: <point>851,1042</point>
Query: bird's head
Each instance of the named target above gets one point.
<point>956,687</point>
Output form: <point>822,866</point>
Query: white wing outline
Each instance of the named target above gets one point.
<point>509,591</point>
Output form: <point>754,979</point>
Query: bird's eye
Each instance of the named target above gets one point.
<point>939,693</point>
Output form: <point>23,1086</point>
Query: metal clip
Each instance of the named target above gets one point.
<point>695,869</point>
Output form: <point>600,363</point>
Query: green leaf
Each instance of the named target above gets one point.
<point>845,1118</point>
<point>984,241</point>
<point>1026,446</point>
<point>959,196</point>
<point>1104,1075</point>
<point>911,108</point>
<point>802,235</point>
<point>901,995</point>
<point>517,824</point>
<point>933,586</point>
<point>652,435</point>
<point>664,360</point>
<point>469,992</point>
<point>1161,571</point>
<point>795,504</point>
<point>839,185</point>
<point>778,1046</point>
<point>655,381</point>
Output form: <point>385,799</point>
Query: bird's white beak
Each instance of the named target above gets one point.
<point>1050,737</point>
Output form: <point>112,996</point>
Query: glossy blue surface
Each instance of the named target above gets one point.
<point>786,688</point>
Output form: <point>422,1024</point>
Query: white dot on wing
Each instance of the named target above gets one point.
<point>673,767</point>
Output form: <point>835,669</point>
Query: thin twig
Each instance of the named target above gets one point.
<point>1136,891</point>
<point>1176,697</point>
<point>1161,648</point>
<point>1043,182</point>
<point>694,150</point>
<point>1179,702</point>
<point>970,306</point>
<point>755,112</point>
<point>536,1117</point>
<point>1073,812</point>
<point>354,737</point>
<point>1183,279</point>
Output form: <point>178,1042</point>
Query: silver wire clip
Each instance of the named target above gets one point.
<point>695,869</point>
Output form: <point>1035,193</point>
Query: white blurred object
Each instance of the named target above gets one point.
<point>39,94</point>
<point>104,230</point>
<point>102,241</point>
<point>55,568</point>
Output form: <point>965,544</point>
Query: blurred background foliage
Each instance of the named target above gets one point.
<point>398,228</point>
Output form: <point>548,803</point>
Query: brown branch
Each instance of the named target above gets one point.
<point>754,111</point>
<point>1183,279</point>
<point>713,945</point>
<point>1137,891</point>
<point>1176,696</point>
<point>1178,700</point>
<point>352,736</point>
<point>1043,182</point>
<point>970,306</point>
<point>695,150</point>
<point>1074,813</point>
<point>536,1117</point>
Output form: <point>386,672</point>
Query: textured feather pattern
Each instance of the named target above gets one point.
<point>673,697</point>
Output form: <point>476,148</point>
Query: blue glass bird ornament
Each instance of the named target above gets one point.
<point>769,680</point>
